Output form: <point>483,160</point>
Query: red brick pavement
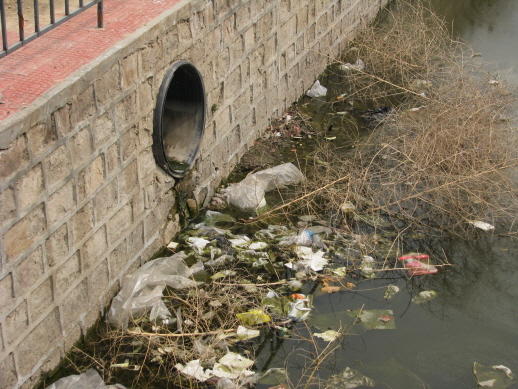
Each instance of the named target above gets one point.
<point>32,70</point>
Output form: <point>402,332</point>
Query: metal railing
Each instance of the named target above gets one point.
<point>9,48</point>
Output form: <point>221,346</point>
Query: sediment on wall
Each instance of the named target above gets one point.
<point>83,202</point>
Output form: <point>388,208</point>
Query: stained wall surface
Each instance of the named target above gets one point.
<point>82,201</point>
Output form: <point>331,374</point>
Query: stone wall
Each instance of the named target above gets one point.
<point>82,202</point>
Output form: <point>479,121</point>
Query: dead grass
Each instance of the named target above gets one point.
<point>446,156</point>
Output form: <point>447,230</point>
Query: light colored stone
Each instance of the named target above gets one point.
<point>130,144</point>
<point>103,129</point>
<point>7,206</point>
<point>56,246</point>
<point>82,107</point>
<point>94,249</point>
<point>30,187</point>
<point>67,274</point>
<point>28,272</point>
<point>24,234</point>
<point>120,223</point>
<point>60,203</point>
<point>41,139</point>
<point>13,159</point>
<point>57,166</point>
<point>80,147</point>
<point>40,299</point>
<point>107,88</point>
<point>106,201</point>
<point>90,178</point>
<point>16,323</point>
<point>8,378</point>
<point>82,223</point>
<point>6,291</point>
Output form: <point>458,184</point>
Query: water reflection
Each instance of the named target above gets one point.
<point>489,26</point>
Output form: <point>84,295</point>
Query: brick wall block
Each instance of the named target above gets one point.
<point>130,144</point>
<point>90,178</point>
<point>14,159</point>
<point>98,287</point>
<point>103,129</point>
<point>56,246</point>
<point>16,323</point>
<point>67,274</point>
<point>82,107</point>
<point>24,233</point>
<point>82,222</point>
<point>57,166</point>
<point>8,378</point>
<point>60,203</point>
<point>40,299</point>
<point>120,223</point>
<point>41,138</point>
<point>30,186</point>
<point>126,111</point>
<point>8,206</point>
<point>108,86</point>
<point>106,201</point>
<point>80,147</point>
<point>112,156</point>
<point>38,344</point>
<point>129,70</point>
<point>28,272</point>
<point>94,249</point>
<point>74,306</point>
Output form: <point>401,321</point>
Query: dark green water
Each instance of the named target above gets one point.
<point>475,317</point>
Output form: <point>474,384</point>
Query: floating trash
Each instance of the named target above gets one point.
<point>88,379</point>
<point>418,264</point>
<point>390,291</point>
<point>348,379</point>
<point>249,194</point>
<point>328,336</point>
<point>253,317</point>
<point>195,370</point>
<point>359,65</point>
<point>495,377</point>
<point>424,296</point>
<point>375,319</point>
<point>317,90</point>
<point>482,225</point>
<point>233,366</point>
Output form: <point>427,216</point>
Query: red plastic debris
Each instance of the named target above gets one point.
<point>416,267</point>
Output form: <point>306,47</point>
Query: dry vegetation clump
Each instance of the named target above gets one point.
<point>145,355</point>
<point>447,154</point>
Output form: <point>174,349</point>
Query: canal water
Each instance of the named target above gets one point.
<point>475,316</point>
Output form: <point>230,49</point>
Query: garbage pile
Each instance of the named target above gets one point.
<point>222,289</point>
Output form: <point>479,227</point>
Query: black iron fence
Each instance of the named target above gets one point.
<point>12,41</point>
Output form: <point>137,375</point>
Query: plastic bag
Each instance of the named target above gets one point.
<point>359,65</point>
<point>142,291</point>
<point>249,193</point>
<point>418,264</point>
<point>317,90</point>
<point>88,380</point>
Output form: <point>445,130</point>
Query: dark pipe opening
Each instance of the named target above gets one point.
<point>179,119</point>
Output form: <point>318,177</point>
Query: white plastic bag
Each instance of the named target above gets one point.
<point>142,291</point>
<point>249,193</point>
<point>88,380</point>
<point>359,65</point>
<point>317,90</point>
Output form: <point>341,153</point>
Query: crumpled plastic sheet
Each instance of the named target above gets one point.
<point>87,380</point>
<point>317,90</point>
<point>249,193</point>
<point>142,291</point>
